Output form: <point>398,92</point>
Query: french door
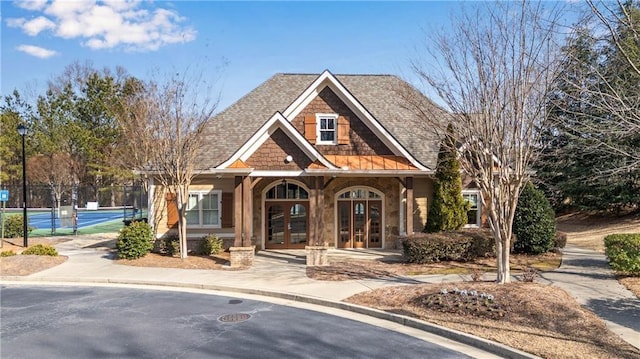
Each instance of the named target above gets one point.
<point>287,224</point>
<point>360,223</point>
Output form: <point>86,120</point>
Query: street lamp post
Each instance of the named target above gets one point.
<point>22,130</point>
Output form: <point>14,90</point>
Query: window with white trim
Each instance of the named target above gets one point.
<point>327,128</point>
<point>474,218</point>
<point>204,209</point>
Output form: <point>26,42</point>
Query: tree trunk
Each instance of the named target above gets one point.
<point>182,221</point>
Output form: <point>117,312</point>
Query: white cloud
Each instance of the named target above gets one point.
<point>36,51</point>
<point>35,26</point>
<point>31,4</point>
<point>131,24</point>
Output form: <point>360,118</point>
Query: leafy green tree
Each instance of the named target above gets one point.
<point>534,222</point>
<point>448,211</point>
<point>14,111</point>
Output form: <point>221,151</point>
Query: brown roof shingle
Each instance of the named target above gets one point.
<point>379,94</point>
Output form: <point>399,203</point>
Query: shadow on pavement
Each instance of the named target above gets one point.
<point>625,312</point>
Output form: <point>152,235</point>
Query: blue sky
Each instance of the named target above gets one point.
<point>241,44</point>
<point>254,40</point>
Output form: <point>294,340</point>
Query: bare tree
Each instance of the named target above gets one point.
<point>492,71</point>
<point>616,26</point>
<point>55,170</point>
<point>165,122</point>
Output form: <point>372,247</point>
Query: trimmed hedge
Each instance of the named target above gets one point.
<point>461,246</point>
<point>623,252</point>
<point>135,240</point>
<point>41,250</point>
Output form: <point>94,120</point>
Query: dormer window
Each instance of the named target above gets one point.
<point>327,124</point>
<point>327,129</point>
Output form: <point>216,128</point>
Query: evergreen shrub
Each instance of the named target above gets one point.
<point>623,252</point>
<point>41,250</point>
<point>14,226</point>
<point>170,245</point>
<point>448,210</point>
<point>210,244</point>
<point>7,254</point>
<point>534,223</point>
<point>135,240</point>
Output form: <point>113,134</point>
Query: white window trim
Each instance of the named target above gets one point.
<point>478,223</point>
<point>200,217</point>
<point>334,116</point>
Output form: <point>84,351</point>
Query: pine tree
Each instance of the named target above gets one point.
<point>448,210</point>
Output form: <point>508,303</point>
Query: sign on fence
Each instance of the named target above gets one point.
<point>4,195</point>
<point>66,216</point>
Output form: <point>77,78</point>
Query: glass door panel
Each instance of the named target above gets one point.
<point>359,224</point>
<point>344,220</point>
<point>375,224</point>
<point>275,225</point>
<point>297,225</point>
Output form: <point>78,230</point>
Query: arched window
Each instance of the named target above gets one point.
<point>287,190</point>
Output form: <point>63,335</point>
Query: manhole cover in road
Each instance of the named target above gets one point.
<point>234,318</point>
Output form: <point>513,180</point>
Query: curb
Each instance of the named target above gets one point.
<point>461,337</point>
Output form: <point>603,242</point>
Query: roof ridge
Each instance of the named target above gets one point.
<point>318,74</point>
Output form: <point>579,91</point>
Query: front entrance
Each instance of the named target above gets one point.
<point>360,219</point>
<point>286,217</point>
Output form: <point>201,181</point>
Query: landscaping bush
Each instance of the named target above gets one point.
<point>209,244</point>
<point>135,240</point>
<point>170,245</point>
<point>534,223</point>
<point>40,250</point>
<point>459,246</point>
<point>623,252</point>
<point>560,240</point>
<point>7,253</point>
<point>14,226</point>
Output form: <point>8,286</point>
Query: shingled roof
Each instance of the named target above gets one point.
<point>379,94</point>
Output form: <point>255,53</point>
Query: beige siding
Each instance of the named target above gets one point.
<point>423,195</point>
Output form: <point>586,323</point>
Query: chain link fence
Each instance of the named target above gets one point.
<point>68,210</point>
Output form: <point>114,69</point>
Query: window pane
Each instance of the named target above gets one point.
<point>192,202</point>
<point>472,216</point>
<point>192,217</point>
<point>331,124</point>
<point>327,135</point>
<point>191,213</point>
<point>303,193</point>
<point>210,201</point>
<point>210,217</point>
<point>323,123</point>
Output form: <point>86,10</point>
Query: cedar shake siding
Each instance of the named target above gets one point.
<point>361,140</point>
<point>271,155</point>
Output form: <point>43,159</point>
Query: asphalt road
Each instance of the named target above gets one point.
<point>98,322</point>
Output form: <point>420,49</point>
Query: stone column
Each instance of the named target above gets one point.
<point>237,211</point>
<point>409,196</point>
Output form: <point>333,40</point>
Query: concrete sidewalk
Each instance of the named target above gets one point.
<point>584,274</point>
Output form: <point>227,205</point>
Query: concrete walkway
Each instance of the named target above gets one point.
<point>584,274</point>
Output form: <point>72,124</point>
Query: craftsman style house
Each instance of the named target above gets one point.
<point>307,159</point>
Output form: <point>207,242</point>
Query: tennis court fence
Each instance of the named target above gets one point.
<point>77,209</point>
